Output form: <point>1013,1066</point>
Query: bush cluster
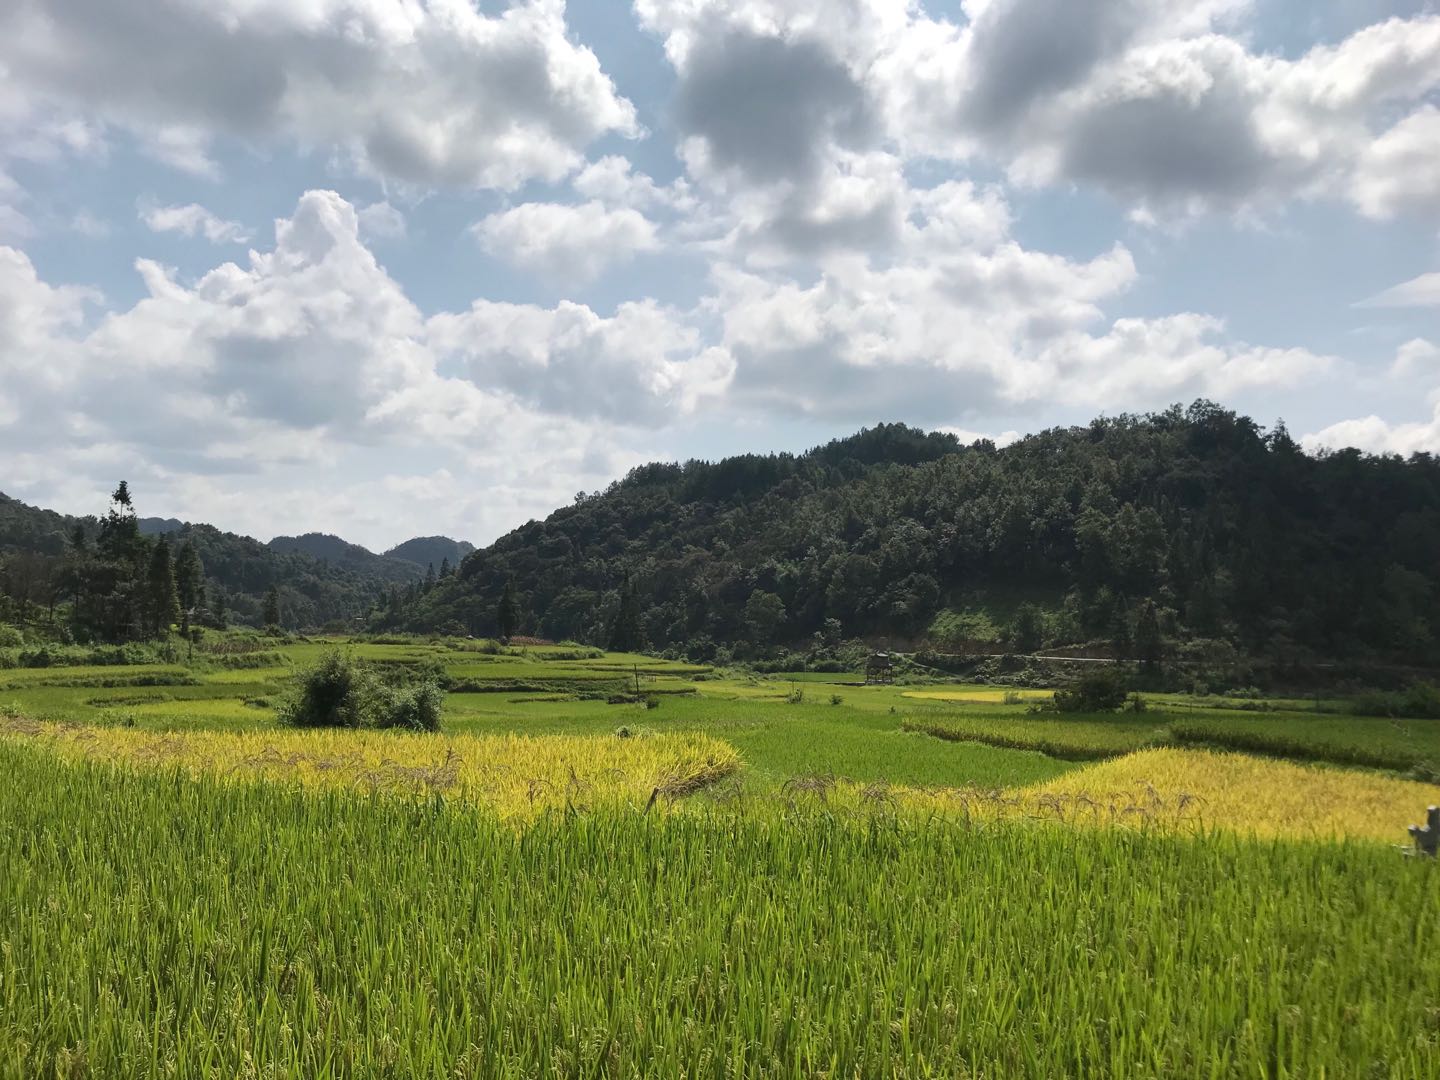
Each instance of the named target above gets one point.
<point>1095,691</point>
<point>48,655</point>
<point>340,692</point>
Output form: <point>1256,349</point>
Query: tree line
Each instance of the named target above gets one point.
<point>1135,534</point>
<point>43,568</point>
<point>123,586</point>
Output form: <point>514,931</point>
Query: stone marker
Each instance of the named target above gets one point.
<point>1427,836</point>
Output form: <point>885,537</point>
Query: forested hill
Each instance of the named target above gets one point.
<point>1134,533</point>
<point>348,556</point>
<point>36,544</point>
<point>426,551</point>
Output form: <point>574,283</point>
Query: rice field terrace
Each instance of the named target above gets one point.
<point>612,865</point>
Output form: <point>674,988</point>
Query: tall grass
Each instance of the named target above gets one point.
<point>153,925</point>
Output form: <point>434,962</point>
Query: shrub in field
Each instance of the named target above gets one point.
<point>336,692</point>
<point>339,692</point>
<point>10,637</point>
<point>416,708</point>
<point>1095,691</point>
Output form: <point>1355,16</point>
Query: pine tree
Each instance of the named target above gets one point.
<point>445,570</point>
<point>507,616</point>
<point>221,608</point>
<point>120,539</point>
<point>162,599</point>
<point>429,578</point>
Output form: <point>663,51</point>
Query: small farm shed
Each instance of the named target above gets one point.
<point>880,668</point>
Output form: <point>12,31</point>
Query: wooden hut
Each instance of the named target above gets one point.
<point>880,668</point>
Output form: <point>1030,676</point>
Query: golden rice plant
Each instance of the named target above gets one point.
<point>516,775</point>
<point>1170,790</point>
<point>1253,795</point>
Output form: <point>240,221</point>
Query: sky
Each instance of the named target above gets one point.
<point>388,268</point>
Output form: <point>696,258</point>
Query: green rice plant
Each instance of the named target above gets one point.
<point>1070,739</point>
<point>1419,700</point>
<point>153,925</point>
<point>1342,740</point>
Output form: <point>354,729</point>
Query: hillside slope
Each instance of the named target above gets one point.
<point>1187,525</point>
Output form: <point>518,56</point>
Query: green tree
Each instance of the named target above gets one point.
<point>764,615</point>
<point>1026,629</point>
<point>1121,640</point>
<point>626,634</point>
<point>1149,643</point>
<point>270,613</point>
<point>120,539</point>
<point>190,582</point>
<point>507,615</point>
<point>1095,691</point>
<point>162,598</point>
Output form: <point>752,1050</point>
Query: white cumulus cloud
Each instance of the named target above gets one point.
<point>1378,436</point>
<point>193,219</point>
<point>431,92</point>
<point>574,243</point>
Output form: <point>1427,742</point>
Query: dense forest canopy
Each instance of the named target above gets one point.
<point>1135,534</point>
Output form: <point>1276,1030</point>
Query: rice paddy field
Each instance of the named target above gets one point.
<point>614,866</point>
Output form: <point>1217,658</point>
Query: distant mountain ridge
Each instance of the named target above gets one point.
<point>154,526</point>
<point>403,563</point>
<point>337,552</point>
<point>321,579</point>
<point>426,551</point>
